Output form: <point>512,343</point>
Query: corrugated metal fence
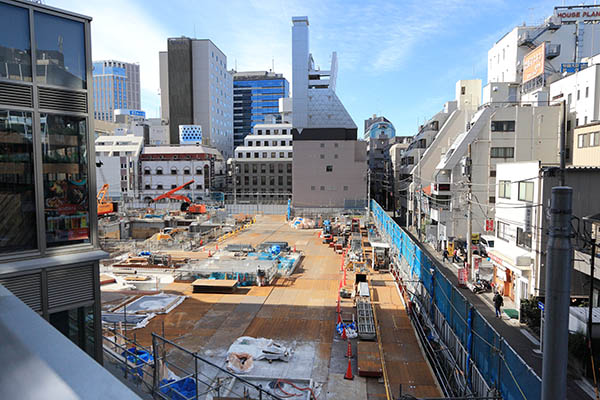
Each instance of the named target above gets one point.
<point>485,358</point>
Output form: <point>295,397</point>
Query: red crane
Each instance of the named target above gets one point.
<point>187,204</point>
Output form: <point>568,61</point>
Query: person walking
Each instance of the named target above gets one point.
<point>446,254</point>
<point>498,302</point>
<point>455,256</point>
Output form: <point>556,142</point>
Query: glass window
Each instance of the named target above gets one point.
<point>60,54</point>
<point>15,46</point>
<point>503,126</point>
<point>17,193</point>
<point>504,189</point>
<point>64,156</point>
<point>329,168</point>
<point>502,152</point>
<point>526,191</point>
<point>581,140</point>
<point>78,325</point>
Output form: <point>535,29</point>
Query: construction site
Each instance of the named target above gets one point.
<point>218,306</point>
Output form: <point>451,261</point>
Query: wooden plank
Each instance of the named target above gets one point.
<point>214,285</point>
<point>369,361</point>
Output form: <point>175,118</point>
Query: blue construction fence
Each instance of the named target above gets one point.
<point>499,365</point>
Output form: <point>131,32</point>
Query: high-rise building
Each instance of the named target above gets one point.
<point>256,96</point>
<point>329,167</point>
<point>380,135</point>
<point>197,89</point>
<point>116,86</point>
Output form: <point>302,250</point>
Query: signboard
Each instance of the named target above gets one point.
<point>575,13</point>
<point>571,68</point>
<point>476,262</point>
<point>131,113</point>
<point>534,62</point>
<point>489,225</point>
<point>541,305</point>
<point>475,238</point>
<point>462,276</point>
<point>451,248</point>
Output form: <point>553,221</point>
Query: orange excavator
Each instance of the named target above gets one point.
<point>187,204</point>
<point>105,206</point>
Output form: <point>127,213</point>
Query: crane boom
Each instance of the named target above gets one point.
<point>171,194</point>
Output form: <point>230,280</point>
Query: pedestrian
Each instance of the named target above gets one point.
<point>446,254</point>
<point>455,256</point>
<point>498,302</point>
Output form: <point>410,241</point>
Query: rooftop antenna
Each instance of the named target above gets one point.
<point>272,64</point>
<point>235,64</point>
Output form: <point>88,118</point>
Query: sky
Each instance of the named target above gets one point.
<point>396,58</point>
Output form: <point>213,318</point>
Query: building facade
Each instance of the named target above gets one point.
<point>116,86</point>
<point>117,165</point>
<point>329,166</point>
<point>166,167</point>
<point>586,146</point>
<point>49,252</point>
<point>197,89</point>
<point>256,97</point>
<point>380,135</point>
<point>263,165</point>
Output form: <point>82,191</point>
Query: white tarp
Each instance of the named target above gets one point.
<point>158,304</point>
<point>254,349</point>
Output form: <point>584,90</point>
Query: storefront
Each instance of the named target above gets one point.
<point>510,280</point>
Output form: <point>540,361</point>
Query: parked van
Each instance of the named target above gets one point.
<point>486,242</point>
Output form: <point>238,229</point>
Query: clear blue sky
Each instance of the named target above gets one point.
<point>397,58</point>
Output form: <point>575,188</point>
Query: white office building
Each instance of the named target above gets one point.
<point>263,165</point>
<point>117,165</point>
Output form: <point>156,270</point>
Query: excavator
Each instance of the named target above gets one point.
<point>187,205</point>
<point>105,206</point>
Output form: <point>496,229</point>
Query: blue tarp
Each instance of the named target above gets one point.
<point>176,391</point>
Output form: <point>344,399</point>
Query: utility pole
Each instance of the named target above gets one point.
<point>590,320</point>
<point>559,262</point>
<point>562,143</point>
<point>469,213</point>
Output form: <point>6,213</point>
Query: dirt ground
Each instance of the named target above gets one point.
<point>299,311</point>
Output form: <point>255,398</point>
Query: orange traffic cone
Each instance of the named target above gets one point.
<point>344,276</point>
<point>217,247</point>
<point>349,352</point>
<point>339,318</point>
<point>210,255</point>
<point>344,336</point>
<point>294,248</point>
<point>349,371</point>
<point>338,306</point>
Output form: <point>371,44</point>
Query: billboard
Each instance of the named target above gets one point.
<point>577,13</point>
<point>533,63</point>
<point>131,113</point>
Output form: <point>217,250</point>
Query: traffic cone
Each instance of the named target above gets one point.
<point>294,248</point>
<point>338,305</point>
<point>349,371</point>
<point>344,276</point>
<point>217,247</point>
<point>344,336</point>
<point>209,254</point>
<point>349,352</point>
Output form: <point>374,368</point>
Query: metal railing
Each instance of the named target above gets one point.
<point>180,374</point>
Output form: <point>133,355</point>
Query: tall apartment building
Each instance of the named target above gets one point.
<point>48,239</point>
<point>380,135</point>
<point>329,166</point>
<point>263,165</point>
<point>256,97</point>
<point>197,89</point>
<point>116,86</point>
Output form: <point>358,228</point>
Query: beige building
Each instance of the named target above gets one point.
<point>329,173</point>
<point>586,146</point>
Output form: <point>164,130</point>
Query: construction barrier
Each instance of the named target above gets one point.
<point>485,358</point>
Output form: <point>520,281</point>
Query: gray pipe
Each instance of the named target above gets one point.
<point>559,262</point>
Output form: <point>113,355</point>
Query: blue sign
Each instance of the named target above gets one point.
<point>571,68</point>
<point>541,305</point>
<point>137,113</point>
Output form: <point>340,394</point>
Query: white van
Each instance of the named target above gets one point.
<point>487,242</point>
